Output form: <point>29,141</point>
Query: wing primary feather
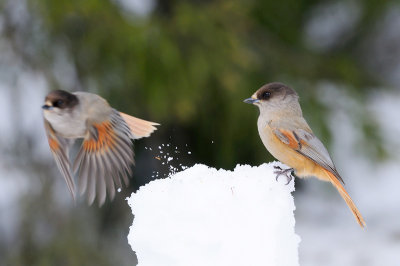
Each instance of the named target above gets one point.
<point>92,181</point>
<point>101,184</point>
<point>125,178</point>
<point>124,159</point>
<point>117,179</point>
<point>321,162</point>
<point>108,175</point>
<point>121,160</point>
<point>125,146</point>
<point>67,176</point>
<point>123,172</point>
<point>115,173</point>
<point>83,174</point>
<point>78,160</point>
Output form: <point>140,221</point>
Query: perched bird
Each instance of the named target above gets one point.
<point>106,155</point>
<point>288,137</point>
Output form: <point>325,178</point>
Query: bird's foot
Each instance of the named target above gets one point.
<point>289,173</point>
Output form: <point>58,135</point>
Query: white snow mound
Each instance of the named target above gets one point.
<point>208,217</point>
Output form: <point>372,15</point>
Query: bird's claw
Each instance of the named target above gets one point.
<point>287,172</point>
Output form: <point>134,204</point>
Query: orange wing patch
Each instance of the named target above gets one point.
<point>53,143</point>
<point>292,139</point>
<point>51,138</point>
<point>105,138</point>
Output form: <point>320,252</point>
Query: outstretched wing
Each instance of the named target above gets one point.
<point>307,144</point>
<point>59,148</point>
<point>106,157</point>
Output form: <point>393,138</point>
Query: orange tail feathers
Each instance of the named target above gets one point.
<point>140,128</point>
<point>346,198</point>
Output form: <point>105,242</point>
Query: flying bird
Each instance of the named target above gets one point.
<point>106,154</point>
<point>288,137</point>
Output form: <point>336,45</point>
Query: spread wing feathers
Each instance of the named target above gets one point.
<point>140,128</point>
<point>347,198</point>
<point>106,157</point>
<point>308,145</point>
<point>59,148</point>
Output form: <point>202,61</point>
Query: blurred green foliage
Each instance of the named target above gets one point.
<point>187,65</point>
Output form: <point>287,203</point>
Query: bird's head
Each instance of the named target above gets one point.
<point>274,97</point>
<point>59,100</point>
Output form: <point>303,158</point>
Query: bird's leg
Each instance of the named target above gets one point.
<point>293,174</point>
<point>289,173</point>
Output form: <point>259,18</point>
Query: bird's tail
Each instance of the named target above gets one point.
<point>346,198</point>
<point>140,128</point>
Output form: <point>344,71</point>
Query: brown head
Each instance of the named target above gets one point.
<point>60,100</point>
<point>275,97</point>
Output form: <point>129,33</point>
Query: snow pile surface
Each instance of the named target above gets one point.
<point>203,216</point>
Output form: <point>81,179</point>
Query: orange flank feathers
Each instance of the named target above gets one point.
<point>140,128</point>
<point>346,198</point>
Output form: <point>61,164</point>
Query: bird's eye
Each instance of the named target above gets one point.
<point>266,95</point>
<point>58,103</point>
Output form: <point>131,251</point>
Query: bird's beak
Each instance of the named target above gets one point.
<point>251,100</point>
<point>47,107</point>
